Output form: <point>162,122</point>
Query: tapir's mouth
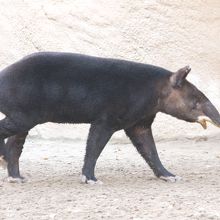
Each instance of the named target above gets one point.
<point>203,121</point>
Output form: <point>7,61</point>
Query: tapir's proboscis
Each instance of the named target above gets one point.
<point>109,94</point>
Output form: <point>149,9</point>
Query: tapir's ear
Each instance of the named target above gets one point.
<point>178,77</point>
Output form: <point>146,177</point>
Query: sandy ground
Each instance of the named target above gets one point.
<point>130,190</point>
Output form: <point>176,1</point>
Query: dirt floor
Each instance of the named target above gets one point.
<point>130,190</point>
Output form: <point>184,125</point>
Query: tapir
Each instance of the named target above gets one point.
<point>109,94</point>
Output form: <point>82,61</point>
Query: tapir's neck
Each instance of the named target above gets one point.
<point>162,91</point>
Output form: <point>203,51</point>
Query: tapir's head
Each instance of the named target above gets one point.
<point>183,100</point>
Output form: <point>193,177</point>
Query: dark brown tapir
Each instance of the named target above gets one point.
<point>109,94</point>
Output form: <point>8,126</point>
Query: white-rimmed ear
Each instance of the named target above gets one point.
<point>178,77</point>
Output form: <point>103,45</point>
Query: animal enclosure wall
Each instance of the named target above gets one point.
<point>167,33</point>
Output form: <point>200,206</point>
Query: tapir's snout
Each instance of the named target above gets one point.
<point>210,115</point>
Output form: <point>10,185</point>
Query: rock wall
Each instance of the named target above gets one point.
<point>168,33</point>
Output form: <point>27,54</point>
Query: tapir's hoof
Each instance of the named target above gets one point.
<point>90,182</point>
<point>3,162</point>
<point>16,180</point>
<point>171,179</point>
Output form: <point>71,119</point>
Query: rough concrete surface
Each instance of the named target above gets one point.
<point>167,33</point>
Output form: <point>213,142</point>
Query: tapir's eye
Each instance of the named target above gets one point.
<point>198,104</point>
<point>195,105</point>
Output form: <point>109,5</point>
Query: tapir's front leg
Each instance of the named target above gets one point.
<point>99,134</point>
<point>142,139</point>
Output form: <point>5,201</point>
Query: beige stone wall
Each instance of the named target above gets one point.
<point>168,33</point>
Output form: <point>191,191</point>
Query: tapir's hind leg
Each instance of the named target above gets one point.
<point>99,135</point>
<point>13,151</point>
<point>142,139</point>
<point>10,152</point>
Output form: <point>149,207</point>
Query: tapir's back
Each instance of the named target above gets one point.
<point>59,64</point>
